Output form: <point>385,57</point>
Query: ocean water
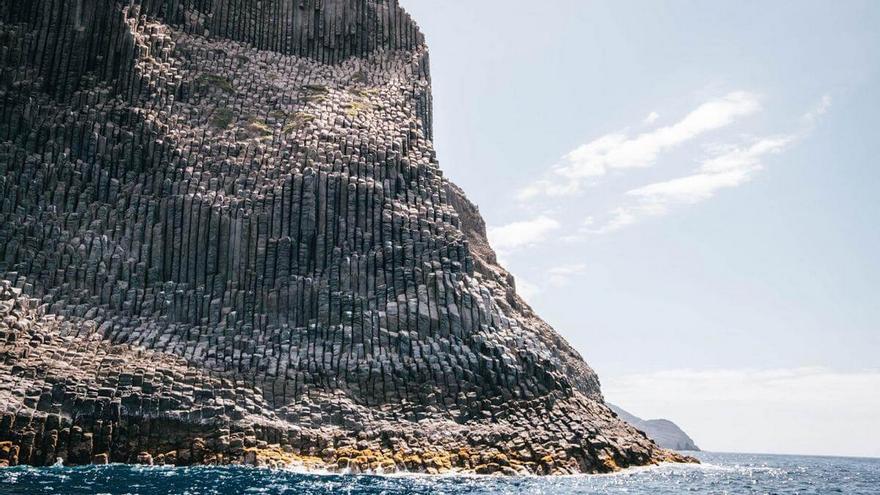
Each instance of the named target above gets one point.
<point>719,474</point>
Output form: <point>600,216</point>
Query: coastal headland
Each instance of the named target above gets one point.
<point>225,238</point>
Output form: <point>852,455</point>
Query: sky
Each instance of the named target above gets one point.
<point>688,192</point>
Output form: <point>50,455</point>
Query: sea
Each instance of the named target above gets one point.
<point>718,474</point>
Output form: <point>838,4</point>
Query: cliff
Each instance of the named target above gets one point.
<point>666,433</point>
<point>225,238</point>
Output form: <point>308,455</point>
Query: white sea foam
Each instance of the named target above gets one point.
<point>720,473</point>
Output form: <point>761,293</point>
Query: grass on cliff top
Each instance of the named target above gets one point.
<point>315,93</point>
<point>258,128</point>
<point>222,118</point>
<point>359,77</point>
<point>365,92</point>
<point>316,89</point>
<point>219,82</point>
<point>357,107</point>
<point>297,122</point>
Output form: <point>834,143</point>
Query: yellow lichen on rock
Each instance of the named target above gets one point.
<point>275,457</point>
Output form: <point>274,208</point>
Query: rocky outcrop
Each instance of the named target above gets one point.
<point>666,433</point>
<point>225,238</point>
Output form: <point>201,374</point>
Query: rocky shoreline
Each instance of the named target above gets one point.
<point>98,428</point>
<point>232,450</point>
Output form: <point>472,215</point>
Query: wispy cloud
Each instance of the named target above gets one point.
<point>729,168</point>
<point>726,166</point>
<point>774,385</point>
<point>521,234</point>
<point>621,151</point>
<point>795,410</point>
<point>526,289</point>
<point>555,277</point>
<point>559,276</point>
<point>820,110</point>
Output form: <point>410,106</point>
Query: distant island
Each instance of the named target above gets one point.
<point>666,433</point>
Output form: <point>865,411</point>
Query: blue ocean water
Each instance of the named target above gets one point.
<point>719,474</point>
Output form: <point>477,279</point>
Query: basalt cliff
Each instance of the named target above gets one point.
<point>225,238</point>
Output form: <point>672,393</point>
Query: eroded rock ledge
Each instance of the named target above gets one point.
<point>225,238</point>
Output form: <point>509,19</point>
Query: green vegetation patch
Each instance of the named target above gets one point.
<point>222,118</point>
<point>365,92</point>
<point>315,93</point>
<point>258,128</point>
<point>316,89</point>
<point>357,107</point>
<point>214,81</point>
<point>359,77</point>
<point>298,121</point>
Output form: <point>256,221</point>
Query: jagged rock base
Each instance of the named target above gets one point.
<point>88,401</point>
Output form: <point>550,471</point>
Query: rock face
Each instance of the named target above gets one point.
<point>666,433</point>
<point>224,237</point>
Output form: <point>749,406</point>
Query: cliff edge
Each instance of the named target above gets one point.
<point>225,238</point>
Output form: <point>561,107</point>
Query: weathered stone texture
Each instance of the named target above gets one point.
<point>225,237</point>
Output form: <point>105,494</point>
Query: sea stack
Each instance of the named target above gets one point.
<point>225,238</point>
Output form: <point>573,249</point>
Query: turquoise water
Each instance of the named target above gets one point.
<point>719,474</point>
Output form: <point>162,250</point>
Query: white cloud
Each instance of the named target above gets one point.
<point>731,159</point>
<point>726,165</point>
<point>820,110</point>
<point>624,216</point>
<point>620,151</point>
<point>798,410</point>
<point>651,118</point>
<point>555,277</point>
<point>526,289</point>
<point>571,269</point>
<point>548,188</point>
<point>691,188</point>
<point>559,276</point>
<point>521,234</point>
<point>730,167</point>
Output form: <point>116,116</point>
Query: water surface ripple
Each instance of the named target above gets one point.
<point>719,474</point>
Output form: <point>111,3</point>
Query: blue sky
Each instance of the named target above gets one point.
<point>688,192</point>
